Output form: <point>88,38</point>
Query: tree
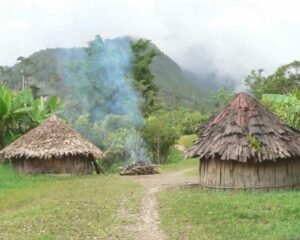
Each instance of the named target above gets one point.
<point>25,63</point>
<point>184,121</point>
<point>222,97</point>
<point>285,79</point>
<point>160,136</point>
<point>143,78</point>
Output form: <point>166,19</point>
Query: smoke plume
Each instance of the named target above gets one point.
<point>101,98</point>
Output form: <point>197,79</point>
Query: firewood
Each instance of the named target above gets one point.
<point>139,168</point>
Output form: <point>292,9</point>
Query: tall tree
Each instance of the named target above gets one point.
<point>143,78</point>
<point>25,64</point>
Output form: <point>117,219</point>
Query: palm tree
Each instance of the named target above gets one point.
<point>25,63</point>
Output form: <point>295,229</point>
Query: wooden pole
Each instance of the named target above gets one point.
<point>99,170</point>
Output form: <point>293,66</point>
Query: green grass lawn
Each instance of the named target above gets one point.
<point>190,165</point>
<point>204,214</point>
<point>64,207</point>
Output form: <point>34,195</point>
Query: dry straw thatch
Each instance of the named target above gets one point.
<point>246,131</point>
<point>52,139</point>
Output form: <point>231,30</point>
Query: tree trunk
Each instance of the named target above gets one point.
<point>158,154</point>
<point>2,145</point>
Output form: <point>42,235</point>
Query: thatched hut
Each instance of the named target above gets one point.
<point>52,147</point>
<point>248,147</point>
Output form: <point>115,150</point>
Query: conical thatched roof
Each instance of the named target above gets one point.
<point>53,138</point>
<point>245,131</point>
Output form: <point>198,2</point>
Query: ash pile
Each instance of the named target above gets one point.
<point>139,168</point>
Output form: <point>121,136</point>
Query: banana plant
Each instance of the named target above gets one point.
<point>285,106</point>
<point>20,112</point>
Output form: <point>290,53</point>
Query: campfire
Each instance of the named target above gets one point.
<point>139,168</point>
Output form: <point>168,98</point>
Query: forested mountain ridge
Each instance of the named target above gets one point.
<point>177,88</point>
<point>43,73</point>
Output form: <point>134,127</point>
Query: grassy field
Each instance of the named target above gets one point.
<point>65,207</point>
<point>203,214</point>
<point>191,165</point>
<point>88,207</point>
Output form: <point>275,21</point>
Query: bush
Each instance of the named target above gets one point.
<point>174,156</point>
<point>187,140</point>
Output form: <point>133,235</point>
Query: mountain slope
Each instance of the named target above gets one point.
<point>177,88</point>
<point>44,74</point>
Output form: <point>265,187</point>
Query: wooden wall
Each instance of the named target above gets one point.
<point>70,165</point>
<point>218,174</point>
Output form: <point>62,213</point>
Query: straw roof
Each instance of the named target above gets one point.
<point>245,131</point>
<point>51,139</point>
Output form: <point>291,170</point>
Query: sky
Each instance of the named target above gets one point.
<point>228,37</point>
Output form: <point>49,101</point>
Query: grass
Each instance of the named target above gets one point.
<point>193,171</point>
<point>203,214</point>
<point>89,207</point>
<point>190,164</point>
<point>65,207</point>
<point>9,179</point>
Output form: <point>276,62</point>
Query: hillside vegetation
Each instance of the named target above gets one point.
<point>44,72</point>
<point>177,88</point>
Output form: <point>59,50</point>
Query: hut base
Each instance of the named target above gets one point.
<point>265,176</point>
<point>53,166</point>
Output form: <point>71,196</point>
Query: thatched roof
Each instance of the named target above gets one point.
<point>245,131</point>
<point>51,139</point>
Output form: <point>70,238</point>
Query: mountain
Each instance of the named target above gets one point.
<point>178,88</point>
<point>44,72</point>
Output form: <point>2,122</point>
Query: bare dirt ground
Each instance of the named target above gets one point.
<point>146,224</point>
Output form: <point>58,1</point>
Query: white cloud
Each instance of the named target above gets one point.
<point>230,36</point>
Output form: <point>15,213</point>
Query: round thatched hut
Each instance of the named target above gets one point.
<point>52,147</point>
<point>248,147</point>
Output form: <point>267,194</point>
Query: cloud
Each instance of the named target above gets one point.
<point>228,37</point>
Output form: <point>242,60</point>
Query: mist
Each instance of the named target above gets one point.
<point>226,38</point>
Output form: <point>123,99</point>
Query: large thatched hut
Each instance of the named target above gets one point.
<point>52,147</point>
<point>248,147</point>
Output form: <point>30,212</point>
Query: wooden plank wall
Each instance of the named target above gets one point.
<point>54,166</point>
<point>232,175</point>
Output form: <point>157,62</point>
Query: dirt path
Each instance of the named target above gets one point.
<point>147,224</point>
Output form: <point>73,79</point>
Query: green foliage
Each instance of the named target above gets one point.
<point>160,135</point>
<point>20,112</point>
<point>286,107</point>
<point>222,97</point>
<point>143,77</point>
<point>285,79</point>
<point>254,143</point>
<point>116,145</point>
<point>186,122</point>
<point>192,122</point>
<point>174,156</point>
<point>187,140</point>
